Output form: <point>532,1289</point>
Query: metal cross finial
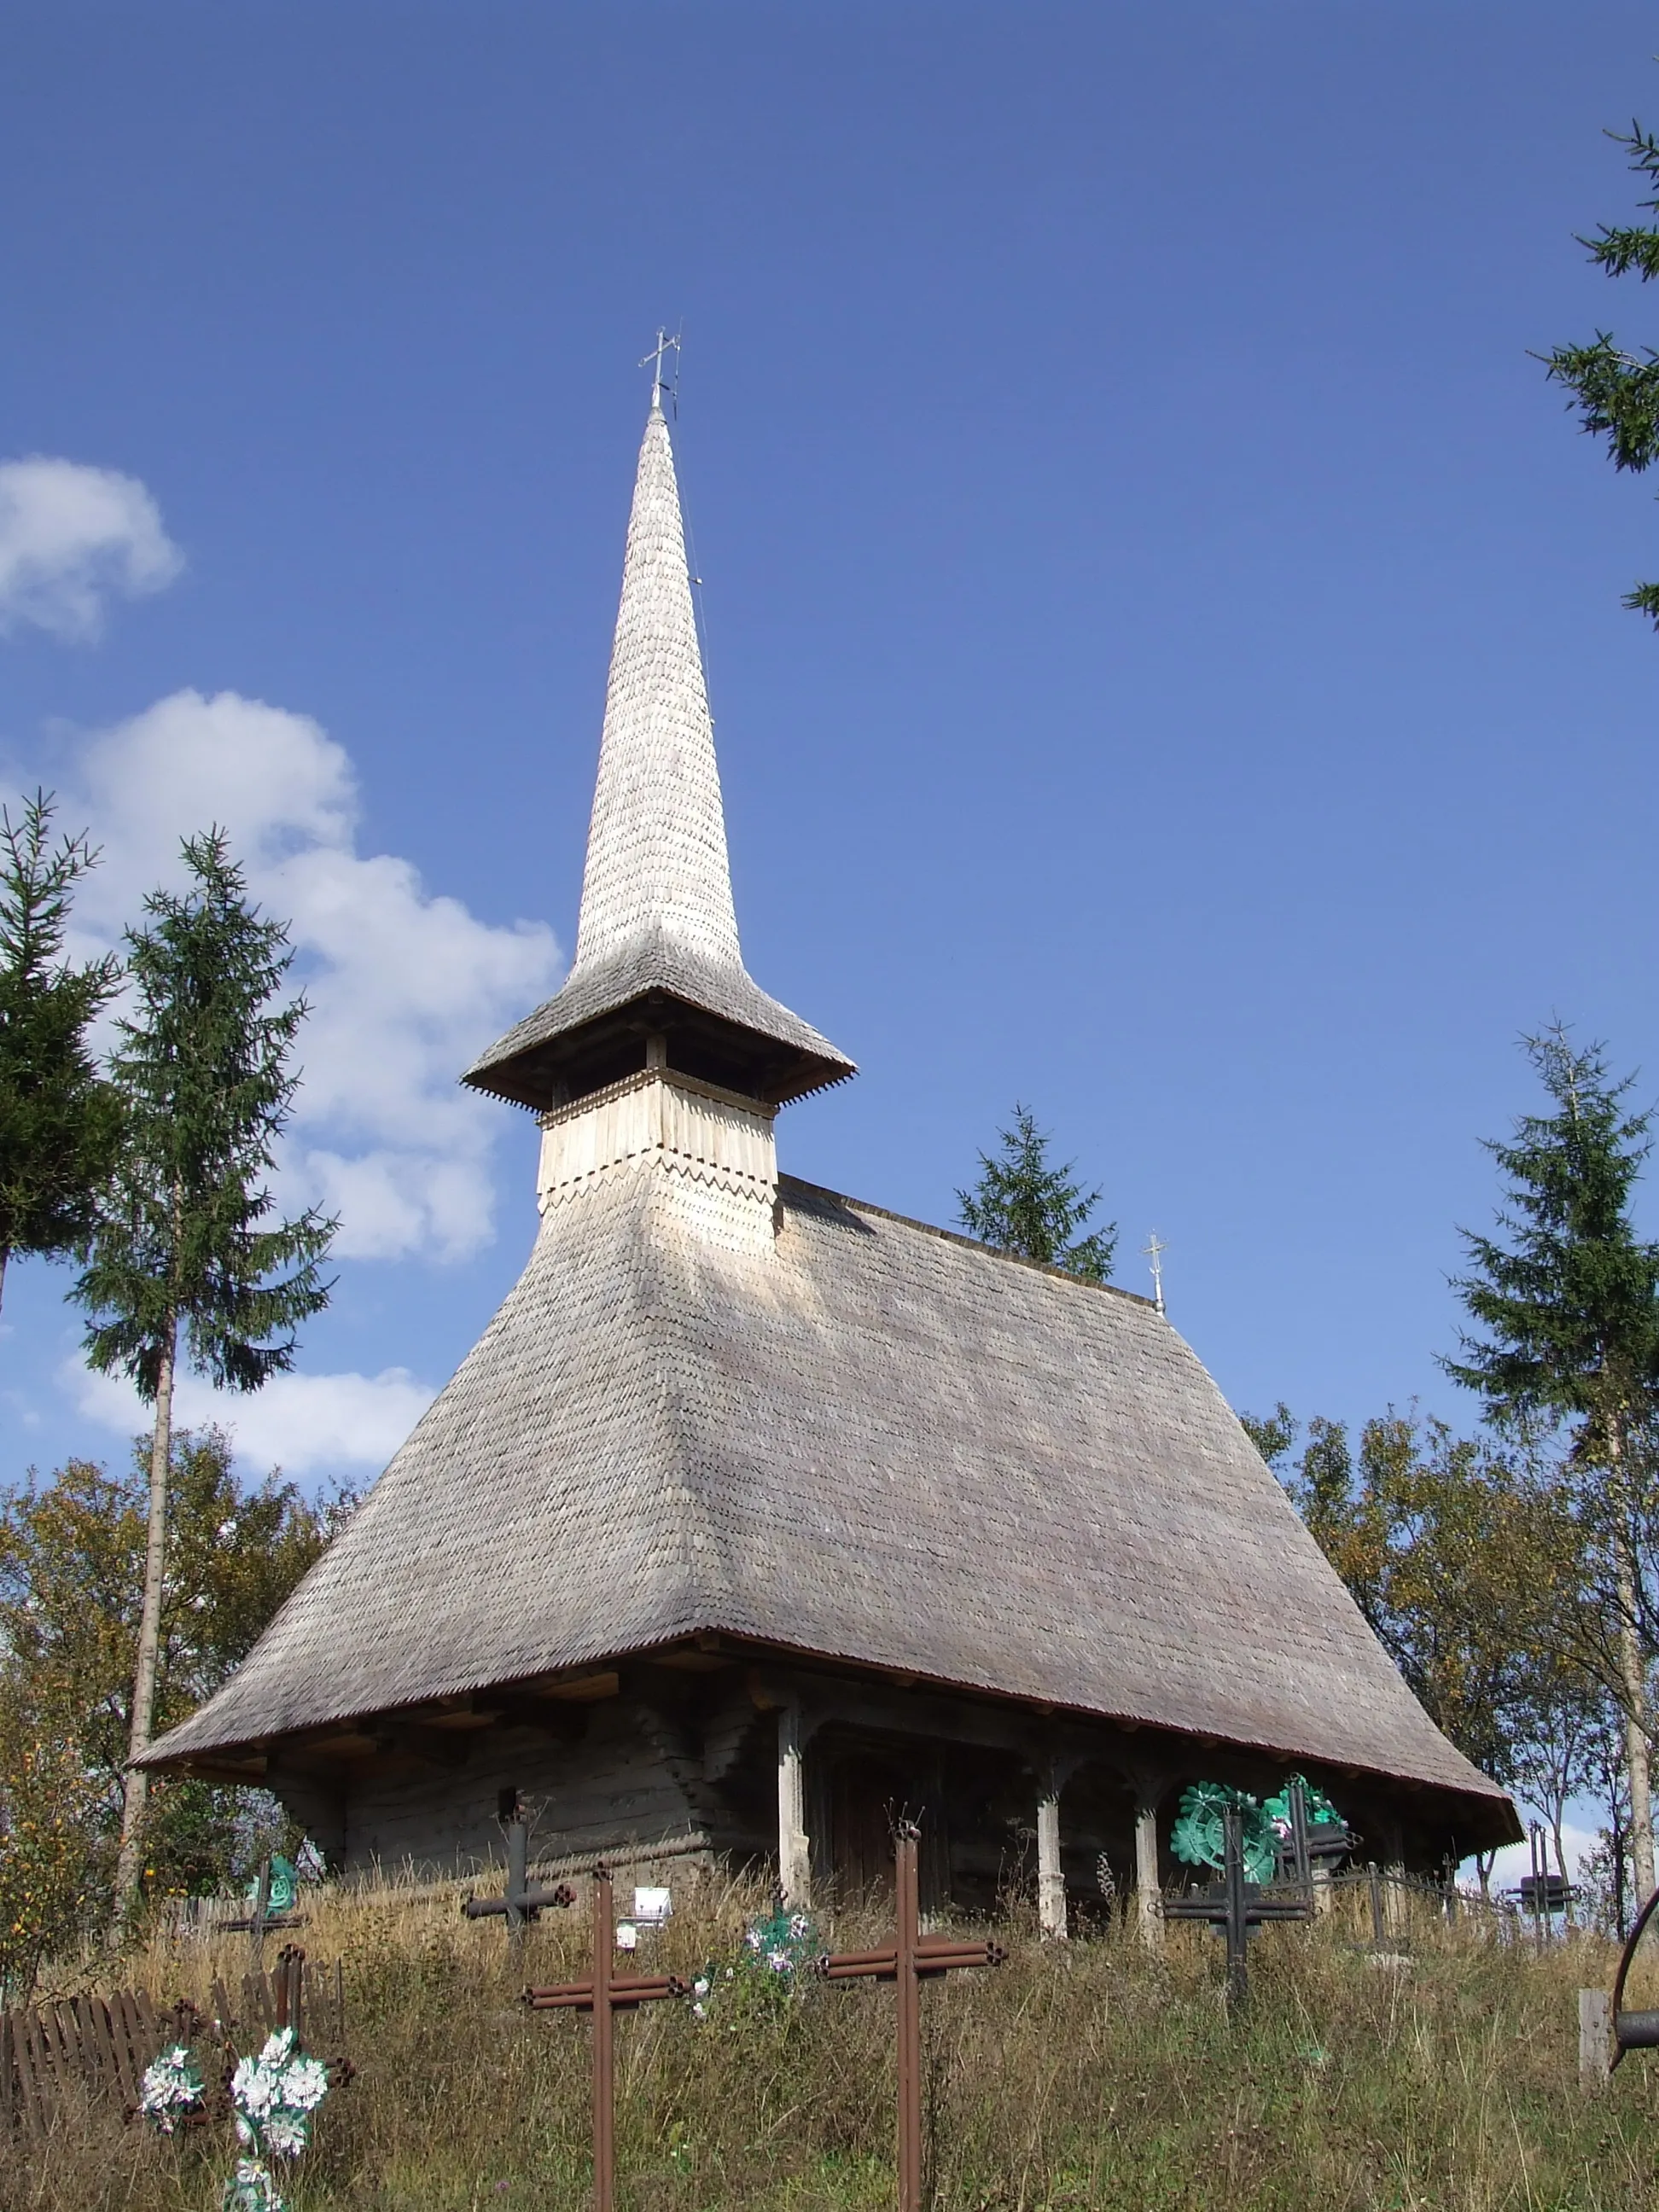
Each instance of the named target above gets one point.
<point>665,345</point>
<point>1155,1247</point>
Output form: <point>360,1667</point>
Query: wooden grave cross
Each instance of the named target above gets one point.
<point>911,1960</point>
<point>1230,1904</point>
<point>604,1993</point>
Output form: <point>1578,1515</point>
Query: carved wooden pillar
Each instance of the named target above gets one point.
<point>794,1848</point>
<point>1051,1880</point>
<point>1149,1886</point>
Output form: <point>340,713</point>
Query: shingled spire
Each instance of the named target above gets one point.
<point>657,951</point>
<point>656,845</point>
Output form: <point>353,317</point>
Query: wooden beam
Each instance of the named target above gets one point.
<point>430,1747</point>
<point>559,1717</point>
<point>585,1689</point>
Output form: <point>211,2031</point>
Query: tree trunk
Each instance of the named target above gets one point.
<point>1558,1818</point>
<point>5,1255</point>
<point>1636,1733</point>
<point>1634,1682</point>
<point>136,1795</point>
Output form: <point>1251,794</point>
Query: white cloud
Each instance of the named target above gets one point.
<point>300,1422</point>
<point>405,987</point>
<point>70,537</point>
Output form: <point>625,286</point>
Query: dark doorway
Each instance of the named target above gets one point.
<point>869,1789</point>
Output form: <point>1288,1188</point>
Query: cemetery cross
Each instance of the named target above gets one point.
<point>911,1959</point>
<point>1230,1904</point>
<point>604,1993</point>
<point>519,1902</point>
<point>275,1895</point>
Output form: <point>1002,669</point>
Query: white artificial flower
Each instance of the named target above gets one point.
<point>244,2133</point>
<point>277,2048</point>
<point>700,1987</point>
<point>285,2134</point>
<point>252,2190</point>
<point>305,2083</point>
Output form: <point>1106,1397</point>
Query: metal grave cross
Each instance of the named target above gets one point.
<point>605,1994</point>
<point>519,1902</point>
<point>907,1961</point>
<point>270,1905</point>
<point>1236,1906</point>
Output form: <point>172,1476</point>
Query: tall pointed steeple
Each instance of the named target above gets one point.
<point>659,975</point>
<point>656,844</point>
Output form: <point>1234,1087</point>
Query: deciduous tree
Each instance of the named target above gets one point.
<point>1457,1559</point>
<point>71,1576</point>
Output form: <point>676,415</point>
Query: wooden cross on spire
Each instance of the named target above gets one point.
<point>658,382</point>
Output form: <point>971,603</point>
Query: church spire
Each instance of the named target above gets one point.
<point>656,843</point>
<point>659,976</point>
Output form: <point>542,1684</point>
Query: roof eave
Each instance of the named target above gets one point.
<point>785,1068</point>
<point>219,1761</point>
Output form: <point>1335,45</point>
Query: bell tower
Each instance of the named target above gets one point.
<point>660,1045</point>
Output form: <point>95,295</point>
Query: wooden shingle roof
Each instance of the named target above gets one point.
<point>876,1443</point>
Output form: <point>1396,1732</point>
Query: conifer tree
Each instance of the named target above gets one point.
<point>1021,1204</point>
<point>1568,1309</point>
<point>1617,392</point>
<point>59,1119</point>
<point>181,1249</point>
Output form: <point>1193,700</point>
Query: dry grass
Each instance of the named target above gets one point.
<point>1082,2076</point>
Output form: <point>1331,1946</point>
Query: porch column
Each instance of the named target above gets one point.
<point>1148,1888</point>
<point>794,1855</point>
<point>1051,1881</point>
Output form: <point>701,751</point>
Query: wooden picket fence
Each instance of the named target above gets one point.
<point>99,2047</point>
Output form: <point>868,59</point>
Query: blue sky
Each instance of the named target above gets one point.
<point>1165,634</point>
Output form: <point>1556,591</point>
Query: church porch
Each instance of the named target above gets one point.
<point>710,1749</point>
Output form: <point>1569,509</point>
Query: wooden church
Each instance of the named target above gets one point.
<point>759,1512</point>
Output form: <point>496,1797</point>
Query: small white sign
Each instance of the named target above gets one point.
<point>652,1906</point>
<point>628,1936</point>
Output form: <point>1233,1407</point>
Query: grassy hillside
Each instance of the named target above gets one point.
<point>1075,2075</point>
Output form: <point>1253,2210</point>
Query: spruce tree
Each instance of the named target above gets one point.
<point>182,1257</point>
<point>1021,1204</point>
<point>1617,392</point>
<point>59,1120</point>
<point>1567,1300</point>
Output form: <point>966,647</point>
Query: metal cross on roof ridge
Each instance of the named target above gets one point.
<point>1154,1248</point>
<point>605,1994</point>
<point>665,345</point>
<point>907,1961</point>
